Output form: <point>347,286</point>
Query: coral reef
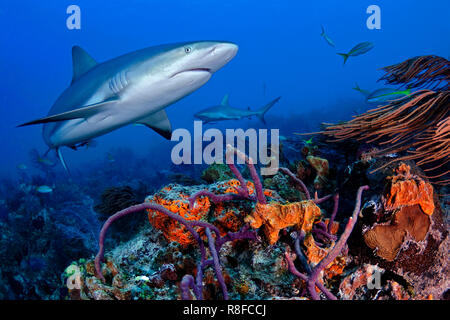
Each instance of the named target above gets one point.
<point>311,277</point>
<point>388,239</point>
<point>117,198</point>
<point>281,185</point>
<point>37,243</point>
<point>175,198</point>
<point>232,239</point>
<point>406,189</point>
<point>172,199</point>
<point>216,172</point>
<point>321,166</point>
<point>273,216</point>
<point>404,240</point>
<point>411,199</point>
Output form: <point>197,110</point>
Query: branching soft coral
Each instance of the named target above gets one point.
<point>418,124</point>
<point>419,72</point>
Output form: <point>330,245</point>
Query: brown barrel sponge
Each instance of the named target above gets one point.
<point>387,239</point>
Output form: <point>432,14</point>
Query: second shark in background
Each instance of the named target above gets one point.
<point>225,112</point>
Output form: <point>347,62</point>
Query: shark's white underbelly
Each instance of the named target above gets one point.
<point>75,131</point>
<point>136,102</point>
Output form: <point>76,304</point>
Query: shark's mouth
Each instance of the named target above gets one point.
<point>192,70</point>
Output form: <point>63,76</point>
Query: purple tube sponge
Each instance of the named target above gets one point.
<point>242,191</point>
<point>311,278</point>
<point>137,208</point>
<point>333,214</point>
<point>188,281</point>
<point>251,167</point>
<point>296,180</point>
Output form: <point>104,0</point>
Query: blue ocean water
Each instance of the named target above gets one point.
<point>280,48</point>
<point>281,53</point>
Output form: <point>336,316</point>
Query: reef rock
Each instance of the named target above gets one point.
<point>217,172</point>
<point>411,200</point>
<point>404,232</point>
<point>226,216</point>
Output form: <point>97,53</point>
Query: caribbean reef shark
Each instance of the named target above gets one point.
<point>225,112</point>
<point>133,88</point>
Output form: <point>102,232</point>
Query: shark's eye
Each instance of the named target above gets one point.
<point>187,49</point>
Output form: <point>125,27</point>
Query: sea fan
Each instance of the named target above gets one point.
<point>419,72</point>
<point>418,124</point>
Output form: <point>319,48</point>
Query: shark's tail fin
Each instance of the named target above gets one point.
<point>323,31</point>
<point>345,56</point>
<point>261,112</point>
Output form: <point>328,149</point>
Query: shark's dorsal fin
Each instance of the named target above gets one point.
<point>80,113</point>
<point>81,62</point>
<point>159,122</point>
<point>224,102</point>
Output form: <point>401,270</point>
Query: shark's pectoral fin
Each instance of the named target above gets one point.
<point>81,62</point>
<point>84,112</point>
<point>159,122</point>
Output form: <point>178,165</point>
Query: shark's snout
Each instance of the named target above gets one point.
<point>220,54</point>
<point>206,58</point>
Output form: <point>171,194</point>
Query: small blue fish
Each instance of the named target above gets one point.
<point>42,161</point>
<point>357,50</point>
<point>22,166</point>
<point>365,93</point>
<point>45,161</point>
<point>44,189</point>
<point>386,95</point>
<point>327,38</point>
<point>110,157</point>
